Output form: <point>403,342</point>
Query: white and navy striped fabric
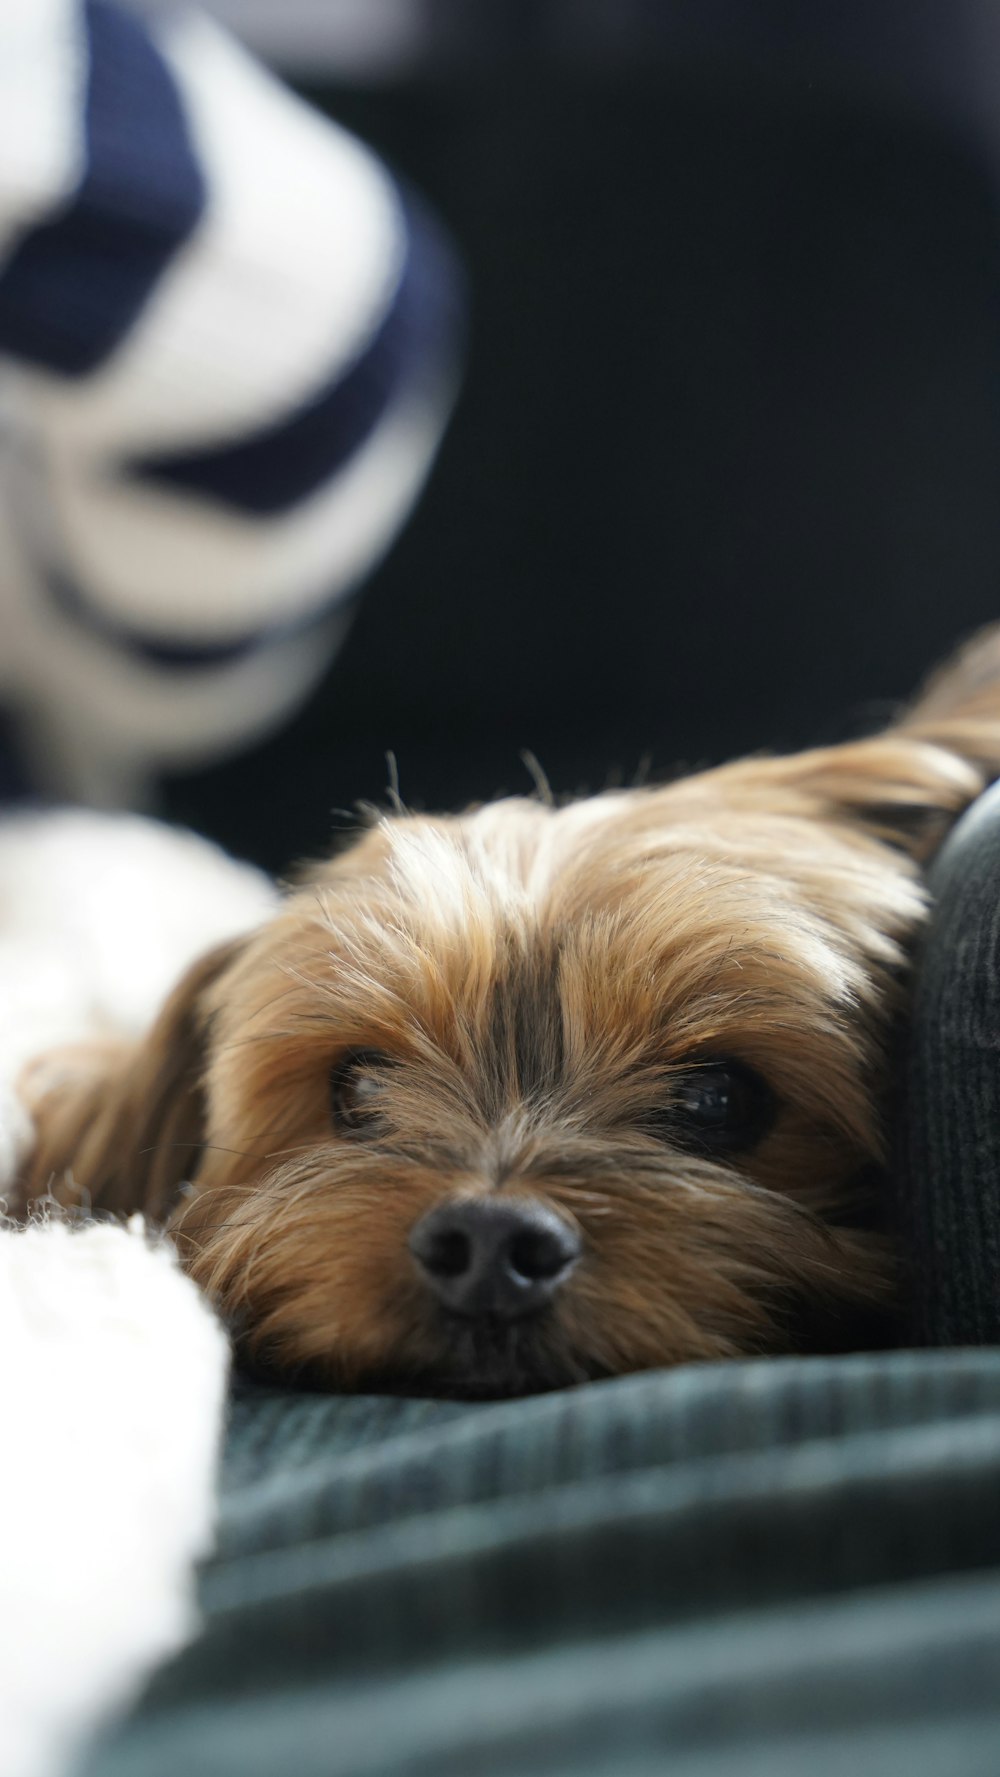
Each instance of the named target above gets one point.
<point>227,352</point>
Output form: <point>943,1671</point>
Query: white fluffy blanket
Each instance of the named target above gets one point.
<point>114,1371</point>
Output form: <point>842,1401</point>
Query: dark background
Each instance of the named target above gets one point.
<point>725,468</point>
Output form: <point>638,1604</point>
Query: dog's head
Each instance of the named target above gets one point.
<point>508,1100</point>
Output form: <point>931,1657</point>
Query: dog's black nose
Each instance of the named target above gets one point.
<point>488,1257</point>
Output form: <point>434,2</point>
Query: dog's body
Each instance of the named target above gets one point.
<point>533,1094</point>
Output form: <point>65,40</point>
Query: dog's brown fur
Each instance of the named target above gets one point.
<point>540,978</point>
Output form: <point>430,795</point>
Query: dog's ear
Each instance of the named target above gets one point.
<point>910,783</point>
<point>119,1125</point>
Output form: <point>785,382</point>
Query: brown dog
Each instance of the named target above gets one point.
<point>536,1094</point>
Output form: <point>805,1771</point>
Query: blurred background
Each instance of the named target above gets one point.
<point>724,470</point>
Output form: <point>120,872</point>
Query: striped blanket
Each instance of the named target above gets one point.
<point>227,351</point>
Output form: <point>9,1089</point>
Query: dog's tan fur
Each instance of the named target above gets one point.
<point>540,976</point>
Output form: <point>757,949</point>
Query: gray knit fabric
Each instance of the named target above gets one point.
<point>950,1115</point>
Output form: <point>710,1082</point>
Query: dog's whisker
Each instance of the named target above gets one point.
<point>217,1227</point>
<point>199,1147</point>
<point>256,1039</point>
<point>285,993</point>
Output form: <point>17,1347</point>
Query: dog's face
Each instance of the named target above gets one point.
<point>506,1101</point>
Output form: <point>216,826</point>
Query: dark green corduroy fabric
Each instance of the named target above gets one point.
<point>759,1568</point>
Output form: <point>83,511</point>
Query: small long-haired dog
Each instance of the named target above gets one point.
<point>535,1094</point>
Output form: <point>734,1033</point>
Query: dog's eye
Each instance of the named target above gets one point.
<point>357,1093</point>
<point>722,1107</point>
